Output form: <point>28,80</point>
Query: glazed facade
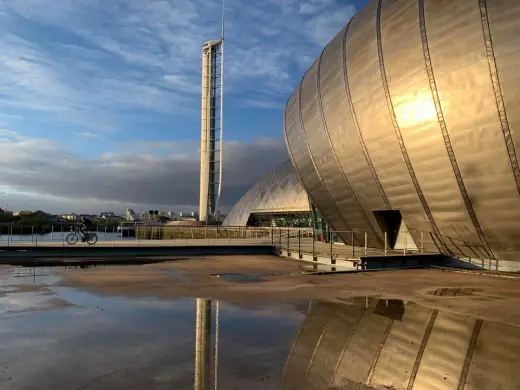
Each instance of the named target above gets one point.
<point>415,106</point>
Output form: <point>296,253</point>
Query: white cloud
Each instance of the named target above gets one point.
<point>146,54</point>
<point>92,67</point>
<point>48,176</point>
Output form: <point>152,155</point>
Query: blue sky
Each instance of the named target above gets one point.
<point>100,100</point>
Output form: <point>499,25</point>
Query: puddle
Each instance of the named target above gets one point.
<point>62,338</point>
<point>242,278</point>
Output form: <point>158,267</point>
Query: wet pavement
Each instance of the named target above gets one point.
<point>55,337</point>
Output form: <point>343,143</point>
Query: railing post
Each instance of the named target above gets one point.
<point>331,250</point>
<point>288,242</point>
<point>299,245</point>
<point>280,239</point>
<point>353,247</point>
<point>313,245</point>
<point>32,233</point>
<point>422,242</point>
<point>272,238</point>
<point>366,243</point>
<point>52,232</point>
<point>386,240</point>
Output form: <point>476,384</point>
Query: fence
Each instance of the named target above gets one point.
<point>56,234</point>
<point>347,245</point>
<point>303,241</point>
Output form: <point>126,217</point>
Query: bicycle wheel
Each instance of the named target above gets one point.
<point>72,238</point>
<point>92,239</point>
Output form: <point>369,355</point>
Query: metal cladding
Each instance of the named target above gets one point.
<point>375,344</point>
<point>415,106</point>
<point>278,191</point>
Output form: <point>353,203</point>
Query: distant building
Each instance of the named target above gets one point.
<point>130,215</point>
<point>69,217</point>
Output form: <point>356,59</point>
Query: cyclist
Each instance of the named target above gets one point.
<point>84,227</point>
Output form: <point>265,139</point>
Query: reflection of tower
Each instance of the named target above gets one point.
<point>203,345</point>
<point>211,127</point>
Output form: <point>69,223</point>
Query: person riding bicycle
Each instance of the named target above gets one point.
<point>84,227</point>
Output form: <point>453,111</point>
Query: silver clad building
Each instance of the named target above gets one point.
<point>415,107</point>
<point>279,193</point>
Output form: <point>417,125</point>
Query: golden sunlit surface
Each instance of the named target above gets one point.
<point>412,110</point>
<point>368,139</point>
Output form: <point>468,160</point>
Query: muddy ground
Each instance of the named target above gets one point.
<point>488,297</point>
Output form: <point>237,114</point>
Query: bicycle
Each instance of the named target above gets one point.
<point>73,237</point>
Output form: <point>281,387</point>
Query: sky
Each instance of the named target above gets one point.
<point>100,100</point>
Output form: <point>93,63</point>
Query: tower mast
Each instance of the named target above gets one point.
<point>212,109</point>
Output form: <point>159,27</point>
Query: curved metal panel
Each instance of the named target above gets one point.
<point>312,120</point>
<point>420,106</point>
<point>369,104</point>
<point>302,161</point>
<point>346,149</point>
<point>469,108</point>
<point>435,100</point>
<point>499,97</point>
<point>397,128</point>
<point>323,157</point>
<point>279,191</point>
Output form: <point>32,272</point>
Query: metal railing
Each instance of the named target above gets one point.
<point>55,235</point>
<point>349,245</point>
<point>334,245</point>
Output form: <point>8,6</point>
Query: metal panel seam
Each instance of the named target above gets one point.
<point>345,346</point>
<point>343,175</point>
<point>356,123</point>
<point>497,90</point>
<point>318,343</point>
<point>469,355</point>
<point>444,130</point>
<point>422,347</point>
<point>398,130</point>
<point>386,332</point>
<point>314,163</point>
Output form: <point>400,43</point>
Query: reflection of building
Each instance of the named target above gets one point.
<point>412,112</point>
<point>390,344</point>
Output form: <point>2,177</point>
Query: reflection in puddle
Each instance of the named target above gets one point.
<point>361,343</point>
